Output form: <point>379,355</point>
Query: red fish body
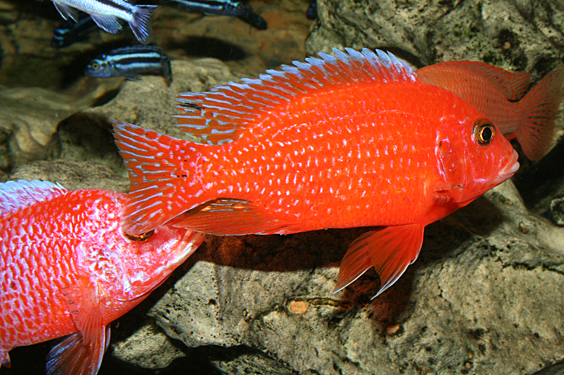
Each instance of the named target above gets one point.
<point>67,268</point>
<point>496,93</point>
<point>338,142</point>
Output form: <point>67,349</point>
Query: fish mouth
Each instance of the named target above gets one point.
<point>509,170</point>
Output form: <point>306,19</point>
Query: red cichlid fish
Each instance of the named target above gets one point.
<point>338,142</point>
<point>67,268</point>
<point>495,92</point>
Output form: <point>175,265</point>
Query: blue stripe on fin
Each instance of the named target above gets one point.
<point>15,195</point>
<point>242,105</point>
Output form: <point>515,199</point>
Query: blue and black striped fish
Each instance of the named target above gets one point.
<point>129,62</point>
<point>311,12</point>
<point>70,32</point>
<point>223,8</point>
<point>106,14</point>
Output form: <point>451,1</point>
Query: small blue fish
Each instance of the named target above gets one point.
<point>224,8</point>
<point>129,62</point>
<point>70,32</point>
<point>311,12</point>
<point>105,13</point>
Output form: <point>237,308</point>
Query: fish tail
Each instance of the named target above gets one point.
<point>141,23</point>
<point>166,69</point>
<point>160,188</point>
<point>540,107</point>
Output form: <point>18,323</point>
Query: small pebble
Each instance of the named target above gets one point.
<point>298,307</point>
<point>392,329</point>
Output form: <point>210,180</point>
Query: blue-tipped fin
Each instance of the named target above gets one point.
<point>141,24</point>
<point>224,113</point>
<point>109,24</point>
<point>15,195</point>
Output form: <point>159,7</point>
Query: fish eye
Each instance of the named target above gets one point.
<point>484,132</point>
<point>140,237</point>
<point>95,66</point>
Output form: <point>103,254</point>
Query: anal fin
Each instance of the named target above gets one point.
<point>389,250</point>
<point>227,216</point>
<point>5,359</point>
<point>108,23</point>
<point>82,352</point>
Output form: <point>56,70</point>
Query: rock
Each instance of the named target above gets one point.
<point>72,175</point>
<point>28,119</point>
<point>427,32</point>
<point>557,209</point>
<point>148,347</point>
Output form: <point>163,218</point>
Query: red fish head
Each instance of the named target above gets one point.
<point>473,157</point>
<point>127,267</point>
<point>149,258</point>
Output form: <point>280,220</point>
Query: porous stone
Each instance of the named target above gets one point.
<point>28,119</point>
<point>515,35</point>
<point>73,174</point>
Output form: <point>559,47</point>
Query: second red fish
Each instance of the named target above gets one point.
<point>337,142</point>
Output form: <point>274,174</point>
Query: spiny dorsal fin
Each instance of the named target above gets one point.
<point>15,195</point>
<point>222,114</point>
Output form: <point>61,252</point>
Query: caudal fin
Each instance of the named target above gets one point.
<point>389,251</point>
<point>141,24</point>
<point>160,188</point>
<point>540,107</point>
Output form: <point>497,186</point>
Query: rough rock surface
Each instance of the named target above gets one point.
<point>28,119</point>
<point>73,174</point>
<point>515,35</point>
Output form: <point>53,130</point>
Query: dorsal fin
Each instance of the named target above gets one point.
<point>222,114</point>
<point>15,195</point>
<point>513,85</point>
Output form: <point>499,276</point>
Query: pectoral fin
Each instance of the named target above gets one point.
<point>5,359</point>
<point>389,251</point>
<point>82,352</point>
<point>225,216</point>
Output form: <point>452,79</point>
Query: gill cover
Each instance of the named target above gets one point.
<point>452,163</point>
